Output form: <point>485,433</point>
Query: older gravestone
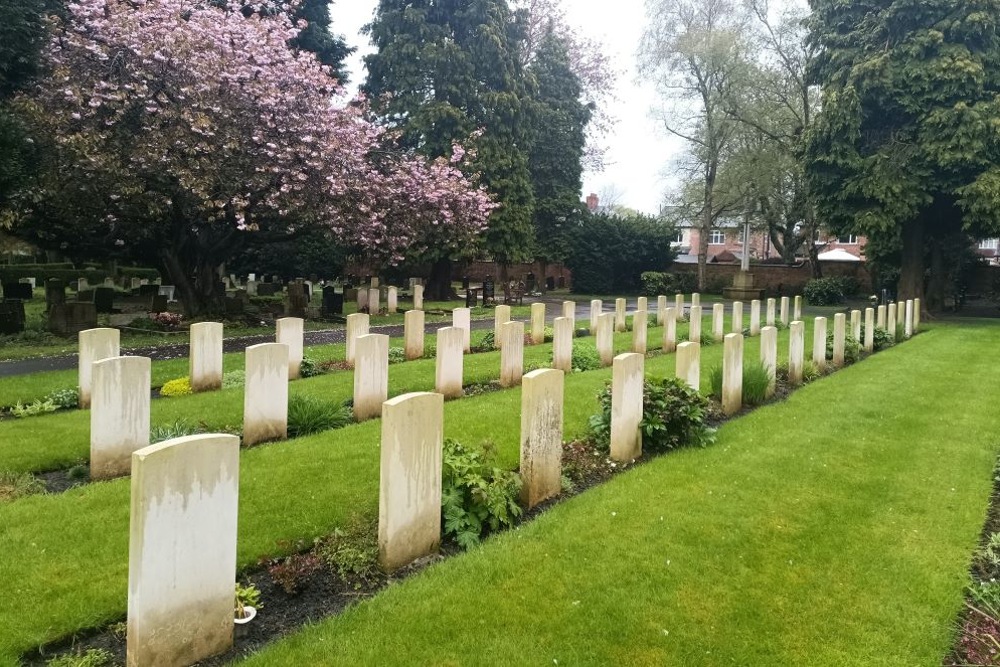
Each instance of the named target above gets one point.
<point>562,344</point>
<point>732,374</point>
<point>55,293</point>
<point>12,317</point>
<point>94,345</point>
<point>119,414</point>
<point>413,334</point>
<point>511,354</point>
<point>606,338</point>
<point>371,375</point>
<point>205,356</point>
<point>357,326</point>
<point>71,317</point>
<point>182,550</point>
<point>333,301</point>
<point>449,363</point>
<point>689,364</point>
<point>297,300</point>
<point>626,406</point>
<point>265,393</point>
<point>541,435</point>
<point>409,517</point>
<point>796,351</point>
<point>104,299</point>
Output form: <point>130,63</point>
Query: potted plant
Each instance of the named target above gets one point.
<point>247,602</point>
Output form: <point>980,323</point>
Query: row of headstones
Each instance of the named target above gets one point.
<point>182,549</point>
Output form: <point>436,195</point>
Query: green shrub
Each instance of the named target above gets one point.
<point>673,415</point>
<point>852,349</point>
<point>486,343</point>
<point>756,381</point>
<point>655,283</point>
<point>176,387</point>
<point>176,429</point>
<point>309,414</point>
<point>608,253</point>
<point>92,657</point>
<point>309,368</point>
<point>38,407</point>
<point>397,355</point>
<point>880,338</point>
<point>14,485</point>
<point>989,554</point>
<point>824,291</point>
<point>810,371</point>
<point>352,550</point>
<point>477,496</point>
<point>233,379</point>
<point>585,358</point>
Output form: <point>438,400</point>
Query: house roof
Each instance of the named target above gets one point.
<point>837,255</point>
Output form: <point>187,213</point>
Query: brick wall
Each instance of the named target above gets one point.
<point>778,279</point>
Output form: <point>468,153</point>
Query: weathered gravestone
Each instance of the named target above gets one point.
<point>297,300</point>
<point>20,291</point>
<point>11,316</point>
<point>158,304</point>
<point>541,434</point>
<point>72,317</point>
<point>55,293</point>
<point>104,299</point>
<point>333,302</point>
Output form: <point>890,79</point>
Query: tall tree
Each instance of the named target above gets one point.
<point>318,37</point>
<point>695,52</point>
<point>444,70</point>
<point>179,128</point>
<point>557,147</point>
<point>906,142</point>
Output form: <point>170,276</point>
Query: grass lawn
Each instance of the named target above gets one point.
<point>65,556</point>
<point>834,528</point>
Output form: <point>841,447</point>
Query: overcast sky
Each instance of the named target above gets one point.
<point>639,151</point>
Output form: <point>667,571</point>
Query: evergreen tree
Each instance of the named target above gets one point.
<point>557,148</point>
<point>330,48</point>
<point>444,70</point>
<point>906,145</point>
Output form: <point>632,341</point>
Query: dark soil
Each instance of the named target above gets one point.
<point>977,639</point>
<point>59,481</point>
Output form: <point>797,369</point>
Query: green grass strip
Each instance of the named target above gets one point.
<point>834,528</point>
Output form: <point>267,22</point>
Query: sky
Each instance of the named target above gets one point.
<point>639,150</point>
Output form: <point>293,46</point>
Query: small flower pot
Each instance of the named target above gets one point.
<point>242,625</point>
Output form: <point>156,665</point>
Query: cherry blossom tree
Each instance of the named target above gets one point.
<point>186,129</point>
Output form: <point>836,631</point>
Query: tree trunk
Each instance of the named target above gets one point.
<point>813,253</point>
<point>911,270</point>
<point>937,285</point>
<point>199,296</point>
<point>544,282</point>
<point>439,283</point>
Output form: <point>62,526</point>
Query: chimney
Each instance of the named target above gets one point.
<point>592,202</point>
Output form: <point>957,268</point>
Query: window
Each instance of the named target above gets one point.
<point>717,237</point>
<point>679,238</point>
<point>850,239</point>
<point>989,244</point>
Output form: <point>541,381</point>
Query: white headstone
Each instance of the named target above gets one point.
<point>679,305</point>
<point>182,550</point>
<point>418,297</point>
<point>511,354</point>
<point>562,344</point>
<point>94,345</point>
<point>371,376</point>
<point>737,317</point>
<point>908,319</point>
<point>374,307</point>
<point>606,338</point>
<point>689,364</point>
<point>596,308</point>
<point>205,356</point>
<point>409,516</point>
<point>290,331</point>
<point>732,374</point>
<point>819,343</point>
<point>413,334</point>
<point>797,310</point>
<point>640,327</point>
<point>769,317</point>
<point>869,330</point>
<point>916,315</point>
<point>642,303</point>
<point>357,326</point>
<point>769,355</point>
<point>362,298</point>
<point>620,310</point>
<point>461,318</point>
<point>392,300</point>
<point>695,299</point>
<point>694,325</point>
<point>448,370</point>
<point>783,313</point>
<point>881,313</point>
<point>839,339</point>
<point>755,318</point>
<point>119,414</point>
<point>890,321</point>
<point>501,315</point>
<point>265,393</point>
<point>856,325</point>
<point>670,330</point>
<point>569,310</point>
<point>718,322</point>
<point>796,352</point>
<point>626,406</point>
<point>537,323</point>
<point>541,435</point>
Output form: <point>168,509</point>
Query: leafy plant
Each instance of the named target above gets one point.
<point>655,283</point>
<point>233,379</point>
<point>309,414</point>
<point>92,657</point>
<point>673,415</point>
<point>246,596</point>
<point>824,291</point>
<point>989,553</point>
<point>14,485</point>
<point>352,550</point>
<point>477,496</point>
<point>176,429</point>
<point>65,399</point>
<point>292,571</point>
<point>176,387</point>
<point>397,355</point>
<point>585,358</point>
<point>852,349</point>
<point>38,407</point>
<point>756,381</point>
<point>486,343</point>
<point>309,368</point>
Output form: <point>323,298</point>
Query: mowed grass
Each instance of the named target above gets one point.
<point>64,557</point>
<point>834,528</point>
